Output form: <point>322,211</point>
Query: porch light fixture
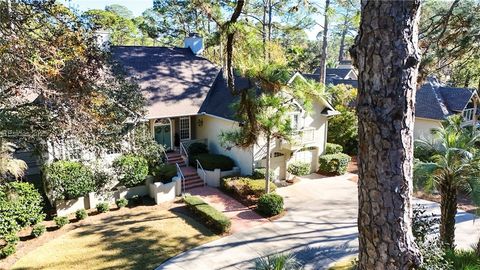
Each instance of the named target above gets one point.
<point>200,122</point>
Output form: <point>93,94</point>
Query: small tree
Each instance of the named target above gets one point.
<point>272,122</point>
<point>454,166</point>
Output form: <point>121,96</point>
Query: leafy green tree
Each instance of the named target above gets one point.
<point>123,29</point>
<point>56,82</point>
<point>448,35</point>
<point>454,167</point>
<point>120,10</point>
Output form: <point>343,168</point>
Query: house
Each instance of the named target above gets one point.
<point>188,101</point>
<point>434,101</point>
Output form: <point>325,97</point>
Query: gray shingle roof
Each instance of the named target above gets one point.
<point>332,79</point>
<point>220,100</point>
<point>173,80</point>
<point>340,72</point>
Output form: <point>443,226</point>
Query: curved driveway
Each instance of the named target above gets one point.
<point>319,228</point>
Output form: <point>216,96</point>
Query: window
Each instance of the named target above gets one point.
<point>184,128</point>
<point>295,121</point>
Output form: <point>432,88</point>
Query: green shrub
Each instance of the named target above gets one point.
<point>245,186</point>
<point>9,244</point>
<point>68,180</point>
<point>333,148</point>
<point>299,168</point>
<point>38,230</point>
<point>423,153</point>
<point>197,149</point>
<point>463,259</point>
<point>280,261</point>
<point>260,173</point>
<point>211,162</point>
<point>121,202</point>
<point>270,204</point>
<point>165,172</point>
<point>103,207</point>
<point>81,214</point>
<point>61,221</point>
<point>343,129</point>
<point>145,146</point>
<point>131,170</point>
<point>212,218</point>
<point>333,164</point>
<point>21,205</point>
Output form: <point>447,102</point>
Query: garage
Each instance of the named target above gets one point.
<point>308,155</point>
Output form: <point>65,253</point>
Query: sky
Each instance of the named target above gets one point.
<point>137,7</point>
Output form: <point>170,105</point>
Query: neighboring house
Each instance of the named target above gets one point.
<point>188,101</point>
<point>435,102</point>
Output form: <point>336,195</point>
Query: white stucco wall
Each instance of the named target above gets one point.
<point>211,128</point>
<point>423,127</point>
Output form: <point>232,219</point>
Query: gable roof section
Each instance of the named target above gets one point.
<point>429,104</point>
<point>340,72</point>
<point>456,99</point>
<point>220,100</point>
<point>174,81</point>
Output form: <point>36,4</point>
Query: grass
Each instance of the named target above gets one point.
<point>139,238</point>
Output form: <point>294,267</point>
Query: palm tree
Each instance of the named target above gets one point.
<point>10,166</point>
<point>280,261</point>
<point>454,166</point>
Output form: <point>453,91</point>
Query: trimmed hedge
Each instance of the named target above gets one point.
<point>21,205</point>
<point>38,230</point>
<point>68,180</point>
<point>132,170</point>
<point>334,164</point>
<point>122,202</point>
<point>245,186</point>
<point>197,149</point>
<point>81,214</point>
<point>211,162</point>
<point>270,204</point>
<point>333,148</point>
<point>61,221</point>
<point>9,245</point>
<point>299,168</point>
<point>212,218</point>
<point>103,207</point>
<point>164,173</point>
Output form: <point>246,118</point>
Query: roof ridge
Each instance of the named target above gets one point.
<point>439,98</point>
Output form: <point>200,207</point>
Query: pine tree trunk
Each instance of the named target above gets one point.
<point>267,171</point>
<point>323,58</point>
<point>386,56</point>
<point>448,208</point>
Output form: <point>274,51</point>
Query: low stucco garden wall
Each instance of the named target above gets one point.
<point>160,192</point>
<point>213,177</point>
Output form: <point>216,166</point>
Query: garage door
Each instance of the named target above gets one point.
<point>277,165</point>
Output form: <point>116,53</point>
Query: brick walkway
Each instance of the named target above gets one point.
<point>241,216</point>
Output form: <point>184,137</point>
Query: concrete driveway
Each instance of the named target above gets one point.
<point>319,228</point>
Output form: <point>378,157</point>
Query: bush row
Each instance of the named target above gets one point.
<point>67,180</point>
<point>212,218</point>
<point>247,189</point>
<point>333,164</point>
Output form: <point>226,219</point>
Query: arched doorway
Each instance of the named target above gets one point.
<point>162,131</point>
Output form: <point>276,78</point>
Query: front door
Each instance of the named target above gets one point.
<point>163,136</point>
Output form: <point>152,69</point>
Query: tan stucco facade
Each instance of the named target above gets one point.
<point>423,126</point>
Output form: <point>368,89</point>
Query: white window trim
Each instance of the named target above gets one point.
<point>189,128</point>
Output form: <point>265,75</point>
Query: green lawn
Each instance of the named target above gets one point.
<point>139,238</point>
